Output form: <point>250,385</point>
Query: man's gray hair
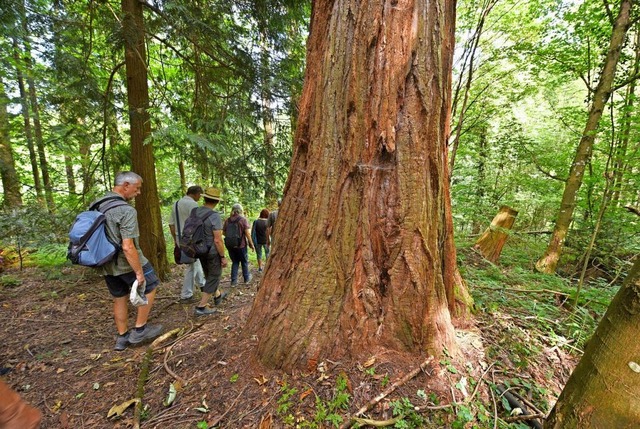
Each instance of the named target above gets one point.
<point>127,177</point>
<point>236,209</point>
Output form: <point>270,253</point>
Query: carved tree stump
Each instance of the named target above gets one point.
<point>492,240</point>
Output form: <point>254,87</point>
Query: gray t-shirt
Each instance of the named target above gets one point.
<point>122,222</point>
<point>185,205</point>
<point>212,223</point>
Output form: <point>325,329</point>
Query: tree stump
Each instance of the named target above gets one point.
<point>492,240</point>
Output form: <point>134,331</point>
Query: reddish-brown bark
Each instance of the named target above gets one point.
<point>363,256</point>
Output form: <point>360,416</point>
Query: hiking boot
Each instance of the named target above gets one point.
<point>234,283</point>
<point>148,333</point>
<point>247,281</point>
<point>218,299</point>
<point>205,311</point>
<point>121,342</point>
<point>189,300</point>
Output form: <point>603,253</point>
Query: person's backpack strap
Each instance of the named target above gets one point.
<point>177,224</point>
<point>109,203</point>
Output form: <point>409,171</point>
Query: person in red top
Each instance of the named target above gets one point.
<point>239,255</point>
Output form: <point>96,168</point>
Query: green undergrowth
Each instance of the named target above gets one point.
<point>537,304</point>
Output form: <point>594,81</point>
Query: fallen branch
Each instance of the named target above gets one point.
<point>523,417</point>
<point>377,423</point>
<point>523,290</point>
<point>386,393</point>
<point>181,380</point>
<point>515,403</point>
<point>144,374</point>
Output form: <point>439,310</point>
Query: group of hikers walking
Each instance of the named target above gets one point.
<point>202,241</point>
<point>107,237</point>
<point>205,270</point>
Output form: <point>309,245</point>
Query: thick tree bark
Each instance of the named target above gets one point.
<point>604,389</point>
<point>363,258</point>
<point>492,240</point>
<point>10,182</point>
<point>549,260</point>
<point>147,203</point>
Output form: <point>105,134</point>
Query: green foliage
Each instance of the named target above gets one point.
<point>9,281</point>
<point>404,409</point>
<point>284,401</point>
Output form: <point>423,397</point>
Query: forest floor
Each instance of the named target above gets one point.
<point>57,343</point>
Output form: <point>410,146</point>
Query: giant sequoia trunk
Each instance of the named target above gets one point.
<point>551,257</point>
<point>604,389</point>
<point>363,257</point>
<point>151,236</point>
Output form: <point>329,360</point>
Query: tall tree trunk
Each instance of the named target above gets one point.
<point>71,177</point>
<point>603,390</point>
<point>270,194</point>
<point>549,260</point>
<point>33,99</point>
<point>363,258</point>
<point>33,158</point>
<point>10,182</point>
<point>470,57</point>
<point>147,203</point>
<point>42,156</point>
<point>620,163</point>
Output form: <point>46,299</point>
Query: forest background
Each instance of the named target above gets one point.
<point>223,87</point>
<point>223,84</point>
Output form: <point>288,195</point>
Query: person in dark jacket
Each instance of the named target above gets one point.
<point>259,230</point>
<point>239,256</point>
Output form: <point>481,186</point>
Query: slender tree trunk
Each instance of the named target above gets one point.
<point>183,177</point>
<point>33,158</point>
<point>42,157</point>
<point>603,391</point>
<point>33,99</point>
<point>551,257</point>
<point>147,203</point>
<point>71,177</point>
<point>10,182</point>
<point>492,241</point>
<point>267,124</point>
<point>363,258</point>
<point>620,163</point>
<point>471,57</point>
<point>480,182</point>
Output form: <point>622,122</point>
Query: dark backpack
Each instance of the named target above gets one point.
<point>89,244</point>
<point>233,234</point>
<point>193,242</point>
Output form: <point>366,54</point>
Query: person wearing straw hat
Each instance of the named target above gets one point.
<point>215,260</point>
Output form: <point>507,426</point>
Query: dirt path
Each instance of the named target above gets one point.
<point>57,334</point>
